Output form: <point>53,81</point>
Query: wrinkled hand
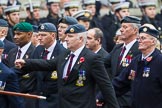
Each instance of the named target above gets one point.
<point>19,63</point>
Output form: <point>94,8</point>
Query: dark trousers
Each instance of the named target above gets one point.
<point>50,102</point>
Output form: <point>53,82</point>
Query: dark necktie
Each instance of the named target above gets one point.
<point>70,64</point>
<point>121,55</point>
<point>45,53</point>
<point>19,54</point>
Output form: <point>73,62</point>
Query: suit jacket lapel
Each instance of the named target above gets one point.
<point>29,52</point>
<point>65,59</point>
<point>55,51</point>
<point>73,75</point>
<point>116,57</point>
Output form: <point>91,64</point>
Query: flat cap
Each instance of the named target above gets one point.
<point>35,28</point>
<point>3,23</point>
<point>89,2</point>
<point>23,27</point>
<point>84,15</point>
<point>131,19</point>
<point>76,28</point>
<point>120,6</point>
<point>10,9</point>
<point>71,4</point>
<point>149,29</point>
<point>47,27</point>
<point>68,20</point>
<point>1,44</point>
<point>35,4</point>
<point>143,3</point>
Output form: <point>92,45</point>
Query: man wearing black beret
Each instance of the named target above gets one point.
<point>78,71</point>
<point>49,48</point>
<point>23,33</point>
<point>122,54</point>
<point>143,76</point>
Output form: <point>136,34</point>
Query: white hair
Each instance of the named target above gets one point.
<point>84,35</point>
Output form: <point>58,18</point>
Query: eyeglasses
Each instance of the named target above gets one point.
<point>143,38</point>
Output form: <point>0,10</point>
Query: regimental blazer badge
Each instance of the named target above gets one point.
<point>54,75</point>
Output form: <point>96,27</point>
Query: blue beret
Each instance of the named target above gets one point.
<point>76,28</point>
<point>1,44</point>
<point>47,27</point>
<point>68,20</point>
<point>3,23</point>
<point>35,28</point>
<point>23,27</point>
<point>147,30</point>
<point>131,19</point>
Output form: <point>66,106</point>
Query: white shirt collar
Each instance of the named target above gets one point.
<point>24,49</point>
<point>2,39</point>
<point>147,55</point>
<point>51,48</point>
<point>128,46</point>
<point>97,50</point>
<point>78,51</point>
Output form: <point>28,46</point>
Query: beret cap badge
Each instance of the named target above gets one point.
<point>144,29</point>
<point>42,27</point>
<point>72,30</point>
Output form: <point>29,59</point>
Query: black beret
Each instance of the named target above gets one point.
<point>47,27</point>
<point>131,19</point>
<point>68,20</point>
<point>76,28</point>
<point>3,23</point>
<point>148,30</point>
<point>23,27</point>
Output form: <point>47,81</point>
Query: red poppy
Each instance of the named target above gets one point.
<point>148,59</point>
<point>82,59</point>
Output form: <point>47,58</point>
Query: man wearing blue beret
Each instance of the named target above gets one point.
<point>22,38</point>
<point>78,71</point>
<point>143,76</point>
<point>48,49</point>
<point>64,23</point>
<point>8,82</point>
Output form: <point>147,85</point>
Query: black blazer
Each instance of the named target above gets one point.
<point>27,81</point>
<point>72,94</point>
<point>46,83</point>
<point>112,61</point>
